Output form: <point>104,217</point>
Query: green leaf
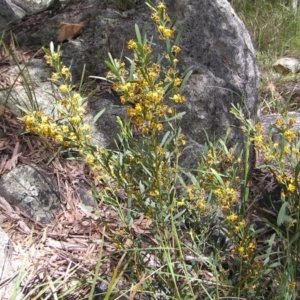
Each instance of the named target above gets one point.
<point>218,176</point>
<point>85,208</point>
<point>142,187</point>
<point>147,58</point>
<point>165,138</point>
<point>46,51</point>
<point>83,100</point>
<point>282,216</point>
<point>132,68</point>
<point>61,109</point>
<point>179,214</point>
<point>150,4</point>
<point>177,116</point>
<point>101,78</point>
<point>179,34</point>
<point>138,34</point>
<point>271,242</point>
<point>82,78</point>
<point>140,49</point>
<point>168,44</point>
<point>295,238</point>
<point>174,22</point>
<point>98,115</point>
<point>91,94</point>
<point>112,68</point>
<point>184,81</point>
<point>297,170</point>
<point>22,108</point>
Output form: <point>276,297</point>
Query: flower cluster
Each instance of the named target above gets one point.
<point>161,19</point>
<point>66,125</point>
<point>283,153</point>
<point>145,86</point>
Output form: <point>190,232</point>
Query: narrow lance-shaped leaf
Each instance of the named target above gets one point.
<point>184,81</point>
<point>271,242</point>
<point>82,78</point>
<point>297,170</point>
<point>98,115</point>
<point>179,34</point>
<point>165,138</point>
<point>140,50</point>
<point>112,68</point>
<point>132,68</point>
<point>101,78</point>
<point>282,216</point>
<point>138,34</point>
<point>150,4</point>
<point>218,176</point>
<point>177,116</point>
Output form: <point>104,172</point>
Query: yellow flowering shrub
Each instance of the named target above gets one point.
<point>145,166</point>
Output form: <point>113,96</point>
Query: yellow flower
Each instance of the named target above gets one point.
<point>259,128</point>
<point>178,98</point>
<point>291,188</point>
<point>292,122</point>
<point>54,76</point>
<point>181,203</point>
<point>293,284</point>
<point>81,110</point>
<point>242,223</point>
<point>76,119</point>
<point>159,127</point>
<point>155,18</point>
<point>138,108</point>
<point>241,250</point>
<point>64,88</point>
<point>258,139</point>
<point>232,218</point>
<point>65,129</point>
<point>286,150</point>
<point>76,97</point>
<point>170,111</point>
<point>59,138</point>
<point>167,33</point>
<point>148,48</point>
<point>161,5</point>
<point>66,71</point>
<point>177,82</point>
<point>290,135</point>
<point>132,45</point>
<point>279,122</point>
<point>176,49</point>
<point>201,204</point>
<point>85,127</point>
<point>89,159</point>
<point>48,59</point>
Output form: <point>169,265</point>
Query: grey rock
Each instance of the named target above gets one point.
<point>33,93</point>
<point>6,14</point>
<point>18,11</point>
<point>33,191</point>
<point>268,120</point>
<point>215,43</point>
<point>286,65</point>
<point>6,269</point>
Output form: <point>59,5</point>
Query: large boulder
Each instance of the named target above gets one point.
<point>32,191</point>
<point>215,43</point>
<point>6,14</point>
